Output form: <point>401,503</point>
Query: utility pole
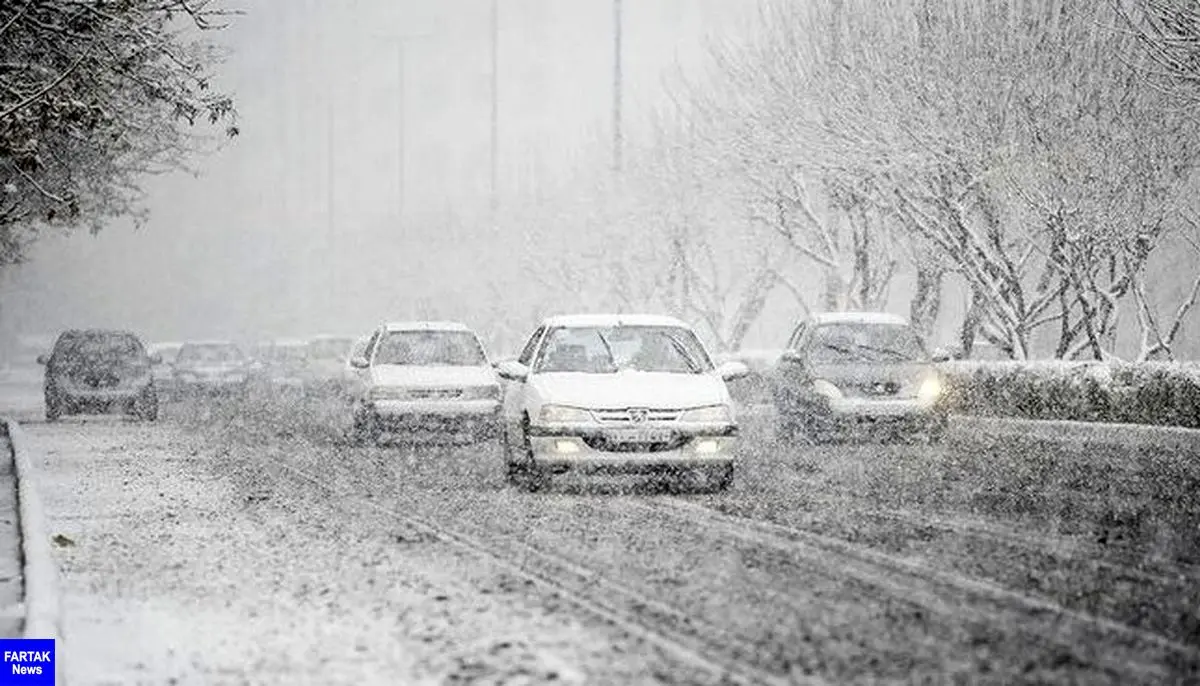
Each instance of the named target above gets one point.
<point>495,142</point>
<point>616,96</point>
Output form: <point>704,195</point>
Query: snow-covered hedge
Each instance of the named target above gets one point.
<point>1149,393</point>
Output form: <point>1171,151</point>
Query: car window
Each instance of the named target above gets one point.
<point>98,344</point>
<point>430,348</point>
<point>604,350</point>
<point>850,342</point>
<point>526,357</point>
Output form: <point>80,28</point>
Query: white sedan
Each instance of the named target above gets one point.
<point>421,378</point>
<point>617,393</point>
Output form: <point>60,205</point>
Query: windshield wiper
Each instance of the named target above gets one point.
<point>683,352</point>
<point>612,359</point>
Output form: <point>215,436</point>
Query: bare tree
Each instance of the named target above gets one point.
<point>92,97</point>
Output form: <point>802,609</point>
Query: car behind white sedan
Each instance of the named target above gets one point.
<point>631,394</point>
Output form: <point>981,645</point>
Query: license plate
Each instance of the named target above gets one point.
<point>639,436</point>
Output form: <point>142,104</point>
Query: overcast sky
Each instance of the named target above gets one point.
<point>296,203</point>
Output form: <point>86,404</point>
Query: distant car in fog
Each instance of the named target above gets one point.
<point>618,393</point>
<point>163,369</point>
<point>327,356</point>
<point>847,372</point>
<point>423,379</point>
<point>210,366</point>
<point>97,371</point>
<point>284,363</point>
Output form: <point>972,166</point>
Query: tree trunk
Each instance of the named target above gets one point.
<point>927,300</point>
<point>834,291</point>
<point>971,321</point>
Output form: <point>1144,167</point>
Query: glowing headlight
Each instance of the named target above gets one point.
<point>827,389</point>
<point>930,390</point>
<point>561,414</point>
<point>708,447</point>
<point>481,393</point>
<point>566,447</point>
<point>712,413</point>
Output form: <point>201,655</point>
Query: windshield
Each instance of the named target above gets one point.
<point>329,348</point>
<point>865,342</point>
<point>100,345</point>
<point>209,352</point>
<point>430,348</point>
<point>605,350</point>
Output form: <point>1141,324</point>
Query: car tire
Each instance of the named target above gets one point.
<point>365,430</point>
<point>534,478</point>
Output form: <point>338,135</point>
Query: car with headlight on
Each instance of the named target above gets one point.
<point>215,366</point>
<point>618,394</point>
<point>424,380</point>
<point>97,370</point>
<point>854,373</point>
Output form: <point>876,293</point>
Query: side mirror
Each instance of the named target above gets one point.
<point>791,357</point>
<point>42,359</point>
<point>942,355</point>
<point>733,369</point>
<point>359,362</point>
<point>511,370</point>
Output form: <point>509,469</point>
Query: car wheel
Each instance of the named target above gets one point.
<point>536,478</point>
<point>365,430</point>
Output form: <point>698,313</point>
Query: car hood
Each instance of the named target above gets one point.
<point>432,377</point>
<point>859,373</point>
<point>654,390</point>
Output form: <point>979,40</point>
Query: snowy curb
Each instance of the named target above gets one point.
<point>1142,434</point>
<point>42,603</point>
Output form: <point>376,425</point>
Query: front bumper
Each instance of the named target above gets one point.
<point>100,399</point>
<point>476,417</point>
<point>210,384</point>
<point>847,415</point>
<point>598,449</point>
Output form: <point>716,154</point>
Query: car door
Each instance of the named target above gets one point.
<point>514,392</point>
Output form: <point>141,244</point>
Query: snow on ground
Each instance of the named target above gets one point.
<point>170,577</point>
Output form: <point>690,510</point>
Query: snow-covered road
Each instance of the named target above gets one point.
<point>238,549</point>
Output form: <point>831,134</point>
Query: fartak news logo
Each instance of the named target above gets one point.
<point>27,661</point>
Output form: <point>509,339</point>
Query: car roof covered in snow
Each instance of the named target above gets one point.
<point>859,318</point>
<point>426,326</point>
<point>588,320</point>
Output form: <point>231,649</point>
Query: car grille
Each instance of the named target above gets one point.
<point>634,415</point>
<point>97,380</point>
<point>603,444</point>
<point>877,389</point>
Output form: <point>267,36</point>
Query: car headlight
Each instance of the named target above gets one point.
<point>711,413</point>
<point>561,414</point>
<point>481,393</point>
<point>930,390</point>
<point>827,389</point>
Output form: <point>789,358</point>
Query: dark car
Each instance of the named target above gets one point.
<point>97,371</point>
<point>852,372</point>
